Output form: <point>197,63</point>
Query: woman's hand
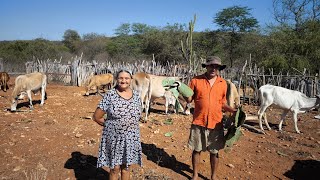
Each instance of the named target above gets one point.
<point>98,116</point>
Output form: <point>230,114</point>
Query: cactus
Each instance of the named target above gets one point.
<point>187,50</point>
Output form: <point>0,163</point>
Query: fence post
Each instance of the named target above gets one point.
<point>74,76</point>
<point>1,65</point>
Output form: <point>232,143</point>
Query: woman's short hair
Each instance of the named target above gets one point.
<point>123,70</point>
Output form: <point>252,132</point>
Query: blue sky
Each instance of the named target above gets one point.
<point>30,19</point>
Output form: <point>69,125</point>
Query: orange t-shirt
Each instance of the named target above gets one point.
<point>208,100</point>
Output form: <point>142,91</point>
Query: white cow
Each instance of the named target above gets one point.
<point>24,84</point>
<point>150,87</point>
<point>286,99</point>
<point>170,100</point>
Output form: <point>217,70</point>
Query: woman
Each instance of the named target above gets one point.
<point>120,142</point>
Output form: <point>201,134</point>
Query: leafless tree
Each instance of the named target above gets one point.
<point>296,12</point>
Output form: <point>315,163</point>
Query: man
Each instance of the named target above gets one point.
<point>206,133</point>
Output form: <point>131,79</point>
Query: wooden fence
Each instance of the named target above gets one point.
<point>77,71</point>
<point>254,77</point>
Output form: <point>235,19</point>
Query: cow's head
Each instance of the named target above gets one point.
<point>14,102</point>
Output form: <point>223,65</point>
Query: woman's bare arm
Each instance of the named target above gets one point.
<point>98,116</point>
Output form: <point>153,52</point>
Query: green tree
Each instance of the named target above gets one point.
<point>123,30</point>
<point>93,45</point>
<point>71,40</point>
<point>300,49</point>
<point>235,20</point>
<point>42,49</point>
<point>164,43</point>
<point>92,36</point>
<point>139,28</point>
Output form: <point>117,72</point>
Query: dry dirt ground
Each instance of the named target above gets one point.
<point>59,141</point>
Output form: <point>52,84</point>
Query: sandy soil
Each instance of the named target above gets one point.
<point>60,141</point>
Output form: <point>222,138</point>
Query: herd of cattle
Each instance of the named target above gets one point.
<point>151,87</point>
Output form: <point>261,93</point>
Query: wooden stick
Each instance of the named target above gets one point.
<point>251,128</point>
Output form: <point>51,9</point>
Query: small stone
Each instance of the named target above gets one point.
<point>230,165</point>
<point>78,135</point>
<point>16,169</point>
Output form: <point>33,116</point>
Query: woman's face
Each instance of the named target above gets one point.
<point>124,80</point>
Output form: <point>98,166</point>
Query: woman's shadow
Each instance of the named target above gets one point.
<point>85,167</point>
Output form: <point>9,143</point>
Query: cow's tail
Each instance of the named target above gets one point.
<point>259,102</point>
<point>228,92</point>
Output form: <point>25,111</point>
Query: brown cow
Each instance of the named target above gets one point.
<point>96,81</point>
<point>141,82</point>
<point>4,78</point>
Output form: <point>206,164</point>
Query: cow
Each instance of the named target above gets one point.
<point>24,84</point>
<point>150,87</point>
<point>4,79</point>
<point>233,100</point>
<point>141,82</point>
<point>233,97</point>
<point>286,99</point>
<point>170,99</point>
<point>97,81</point>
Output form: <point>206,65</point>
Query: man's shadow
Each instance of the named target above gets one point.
<point>304,169</point>
<point>163,159</point>
<point>85,167</point>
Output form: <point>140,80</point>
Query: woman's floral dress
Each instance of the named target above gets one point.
<point>120,141</point>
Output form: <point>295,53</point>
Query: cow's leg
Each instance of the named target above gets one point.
<point>87,90</point>
<point>30,99</point>
<point>147,106</point>
<point>295,119</point>
<point>144,101</point>
<point>187,109</point>
<point>5,86</point>
<point>43,94</point>
<point>166,104</point>
<point>266,121</point>
<point>260,114</point>
<point>284,113</point>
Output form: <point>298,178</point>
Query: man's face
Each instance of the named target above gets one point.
<point>212,70</point>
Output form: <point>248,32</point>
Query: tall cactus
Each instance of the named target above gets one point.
<point>187,50</point>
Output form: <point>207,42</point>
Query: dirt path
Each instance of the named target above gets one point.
<point>59,141</point>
